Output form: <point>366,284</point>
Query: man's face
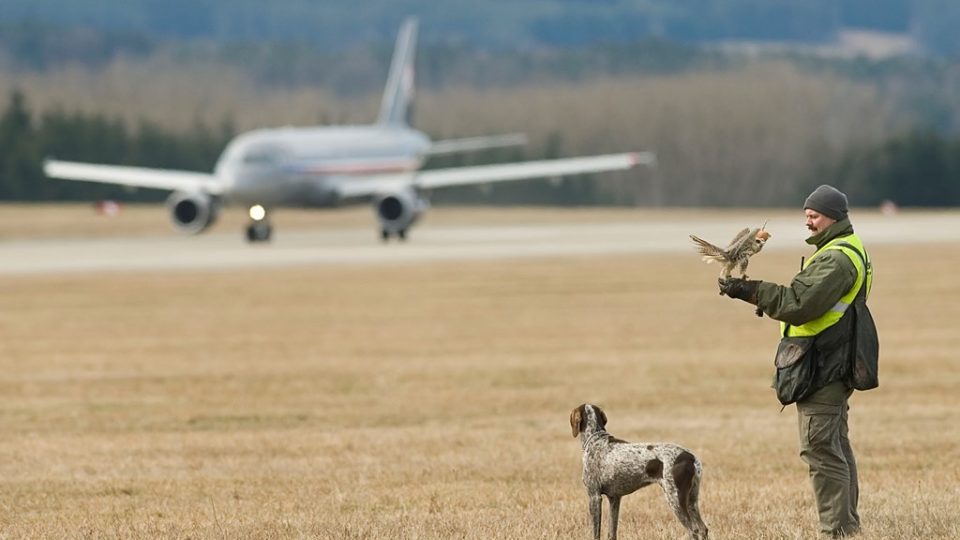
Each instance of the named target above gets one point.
<point>816,221</point>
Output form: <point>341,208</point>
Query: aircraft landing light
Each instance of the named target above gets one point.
<point>257,212</point>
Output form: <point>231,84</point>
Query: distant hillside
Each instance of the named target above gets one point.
<point>338,24</point>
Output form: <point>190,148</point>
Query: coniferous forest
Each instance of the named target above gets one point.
<point>731,126</point>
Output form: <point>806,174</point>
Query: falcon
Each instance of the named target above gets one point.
<point>746,244</point>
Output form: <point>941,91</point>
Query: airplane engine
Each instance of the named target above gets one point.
<point>192,212</point>
<point>397,211</point>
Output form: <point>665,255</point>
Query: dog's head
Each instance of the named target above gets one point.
<point>587,417</point>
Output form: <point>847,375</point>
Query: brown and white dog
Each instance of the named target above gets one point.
<point>615,468</point>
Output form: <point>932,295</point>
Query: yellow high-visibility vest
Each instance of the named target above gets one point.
<point>833,315</point>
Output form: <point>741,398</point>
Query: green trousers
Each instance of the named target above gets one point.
<point>824,446</point>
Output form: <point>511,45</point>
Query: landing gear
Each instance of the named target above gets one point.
<point>385,235</point>
<point>259,229</point>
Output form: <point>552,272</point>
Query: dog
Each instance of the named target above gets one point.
<point>615,468</point>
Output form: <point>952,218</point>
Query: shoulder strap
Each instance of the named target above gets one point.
<point>855,250</point>
<point>863,261</point>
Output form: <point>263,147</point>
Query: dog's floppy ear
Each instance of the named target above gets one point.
<point>576,420</point>
<point>601,417</point>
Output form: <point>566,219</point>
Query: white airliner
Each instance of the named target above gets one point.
<point>328,166</point>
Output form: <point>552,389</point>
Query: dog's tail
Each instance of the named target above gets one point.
<point>686,473</point>
<point>692,507</point>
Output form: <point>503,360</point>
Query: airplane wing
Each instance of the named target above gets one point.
<point>133,176</point>
<point>484,174</point>
<point>471,144</point>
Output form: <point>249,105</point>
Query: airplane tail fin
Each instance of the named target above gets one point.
<point>396,108</point>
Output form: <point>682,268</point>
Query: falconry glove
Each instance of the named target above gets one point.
<point>741,289</point>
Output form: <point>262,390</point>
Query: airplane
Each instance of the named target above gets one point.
<point>327,166</point>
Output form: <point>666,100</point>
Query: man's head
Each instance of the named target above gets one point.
<point>824,207</point>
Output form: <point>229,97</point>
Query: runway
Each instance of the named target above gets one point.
<point>662,232</point>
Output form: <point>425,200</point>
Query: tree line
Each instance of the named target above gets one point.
<point>919,167</point>
<point>27,139</point>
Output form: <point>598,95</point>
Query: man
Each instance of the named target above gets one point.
<point>814,302</point>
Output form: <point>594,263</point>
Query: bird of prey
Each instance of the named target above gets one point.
<point>746,244</point>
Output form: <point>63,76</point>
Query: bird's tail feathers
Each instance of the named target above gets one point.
<point>709,251</point>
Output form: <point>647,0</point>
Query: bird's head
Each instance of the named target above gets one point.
<point>761,237</point>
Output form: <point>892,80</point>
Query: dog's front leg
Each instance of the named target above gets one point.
<point>614,516</point>
<point>595,510</point>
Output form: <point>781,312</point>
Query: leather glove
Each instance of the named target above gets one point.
<point>741,289</point>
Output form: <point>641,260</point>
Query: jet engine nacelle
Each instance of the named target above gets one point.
<point>397,211</point>
<point>191,213</point>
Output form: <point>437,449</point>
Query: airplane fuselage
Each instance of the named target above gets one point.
<point>304,166</point>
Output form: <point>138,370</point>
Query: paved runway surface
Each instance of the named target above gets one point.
<point>433,242</point>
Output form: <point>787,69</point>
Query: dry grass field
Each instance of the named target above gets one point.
<point>431,401</point>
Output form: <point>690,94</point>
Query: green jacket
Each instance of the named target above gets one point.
<point>812,292</point>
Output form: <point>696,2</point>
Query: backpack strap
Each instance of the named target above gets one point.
<point>863,261</point>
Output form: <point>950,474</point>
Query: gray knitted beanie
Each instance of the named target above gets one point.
<point>829,201</point>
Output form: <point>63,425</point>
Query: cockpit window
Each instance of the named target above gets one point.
<point>263,155</point>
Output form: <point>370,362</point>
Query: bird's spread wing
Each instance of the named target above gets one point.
<point>706,248</point>
<point>738,239</point>
<point>743,240</point>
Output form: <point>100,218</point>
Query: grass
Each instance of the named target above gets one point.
<point>431,400</point>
